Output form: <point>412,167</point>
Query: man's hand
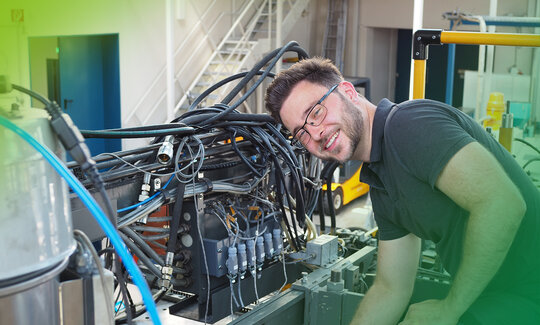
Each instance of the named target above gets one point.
<point>432,312</point>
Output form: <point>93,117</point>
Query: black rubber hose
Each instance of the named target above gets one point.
<point>250,75</point>
<point>139,253</point>
<point>326,174</point>
<point>221,83</point>
<point>321,211</point>
<point>176,217</point>
<point>142,245</point>
<point>274,56</point>
<point>106,134</point>
<point>243,158</point>
<point>528,144</point>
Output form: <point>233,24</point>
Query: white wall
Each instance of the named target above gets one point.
<point>370,49</point>
<point>141,27</point>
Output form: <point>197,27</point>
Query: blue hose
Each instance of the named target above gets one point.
<point>98,214</point>
<point>147,200</point>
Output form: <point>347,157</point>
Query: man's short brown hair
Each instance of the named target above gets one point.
<point>316,70</point>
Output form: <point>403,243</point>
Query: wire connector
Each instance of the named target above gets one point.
<point>70,136</point>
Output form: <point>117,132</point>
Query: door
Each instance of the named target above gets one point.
<point>89,85</point>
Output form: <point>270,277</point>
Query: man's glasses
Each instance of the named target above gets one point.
<point>315,117</point>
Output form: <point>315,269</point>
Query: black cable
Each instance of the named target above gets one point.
<point>176,217</point>
<point>128,303</point>
<point>528,144</point>
<point>326,175</point>
<point>210,90</point>
<point>275,56</point>
<point>143,310</point>
<point>222,165</point>
<point>131,234</point>
<point>289,46</point>
<point>321,211</point>
<point>107,134</point>
<point>530,161</point>
<point>139,253</point>
<point>154,127</point>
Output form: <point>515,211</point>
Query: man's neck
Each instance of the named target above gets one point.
<point>363,150</point>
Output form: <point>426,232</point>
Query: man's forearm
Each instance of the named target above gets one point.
<point>488,237</point>
<point>381,306</point>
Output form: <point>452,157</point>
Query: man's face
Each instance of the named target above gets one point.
<point>338,135</point>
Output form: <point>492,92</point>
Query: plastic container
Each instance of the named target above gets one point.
<point>36,232</point>
<point>495,109</point>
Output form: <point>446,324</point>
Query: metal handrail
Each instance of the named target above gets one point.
<point>177,51</point>
<point>224,41</point>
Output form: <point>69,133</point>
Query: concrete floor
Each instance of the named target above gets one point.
<point>357,213</point>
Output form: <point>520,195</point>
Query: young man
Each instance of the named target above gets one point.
<point>435,174</point>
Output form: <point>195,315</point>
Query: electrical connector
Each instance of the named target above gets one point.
<point>278,241</point>
<point>165,152</point>
<point>268,245</point>
<point>232,263</point>
<point>145,188</point>
<point>242,259</point>
<point>259,249</point>
<point>251,257</point>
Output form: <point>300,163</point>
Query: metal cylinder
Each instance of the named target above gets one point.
<point>506,131</point>
<point>35,224</point>
<point>34,300</point>
<point>35,218</point>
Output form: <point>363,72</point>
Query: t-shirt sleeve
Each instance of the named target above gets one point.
<point>424,138</point>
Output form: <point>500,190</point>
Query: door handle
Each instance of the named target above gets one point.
<point>66,102</point>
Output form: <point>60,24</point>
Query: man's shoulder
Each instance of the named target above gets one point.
<point>419,112</point>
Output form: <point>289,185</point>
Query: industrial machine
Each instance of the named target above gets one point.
<point>212,218</point>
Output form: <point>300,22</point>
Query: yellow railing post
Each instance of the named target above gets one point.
<point>419,89</point>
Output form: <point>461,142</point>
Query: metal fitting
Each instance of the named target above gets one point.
<point>165,152</point>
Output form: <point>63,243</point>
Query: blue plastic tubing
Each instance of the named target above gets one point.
<point>98,214</point>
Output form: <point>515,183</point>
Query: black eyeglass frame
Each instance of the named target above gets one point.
<point>295,141</point>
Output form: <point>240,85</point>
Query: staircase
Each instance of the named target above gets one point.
<point>243,45</point>
<point>248,38</point>
<point>336,29</point>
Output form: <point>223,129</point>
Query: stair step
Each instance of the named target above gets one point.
<point>211,96</point>
<point>233,51</point>
<point>230,62</point>
<point>216,73</point>
<point>232,41</point>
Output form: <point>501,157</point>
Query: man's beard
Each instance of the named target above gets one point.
<point>353,127</point>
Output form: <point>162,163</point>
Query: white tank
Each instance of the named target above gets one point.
<point>35,215</point>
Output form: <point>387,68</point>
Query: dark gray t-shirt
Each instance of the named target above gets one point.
<point>410,147</point>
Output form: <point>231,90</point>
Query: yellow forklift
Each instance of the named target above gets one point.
<point>346,187</point>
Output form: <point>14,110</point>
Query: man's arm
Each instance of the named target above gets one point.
<point>389,295</point>
<point>475,181</point>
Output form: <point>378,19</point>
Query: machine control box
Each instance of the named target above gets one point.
<point>323,249</point>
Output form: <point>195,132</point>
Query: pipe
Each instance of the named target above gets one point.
<point>169,41</point>
<point>419,76</point>
<point>279,37</point>
<point>418,17</point>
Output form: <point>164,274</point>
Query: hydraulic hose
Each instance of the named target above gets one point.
<point>96,211</point>
<point>107,134</point>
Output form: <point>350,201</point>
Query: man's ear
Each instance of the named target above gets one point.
<point>349,90</point>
